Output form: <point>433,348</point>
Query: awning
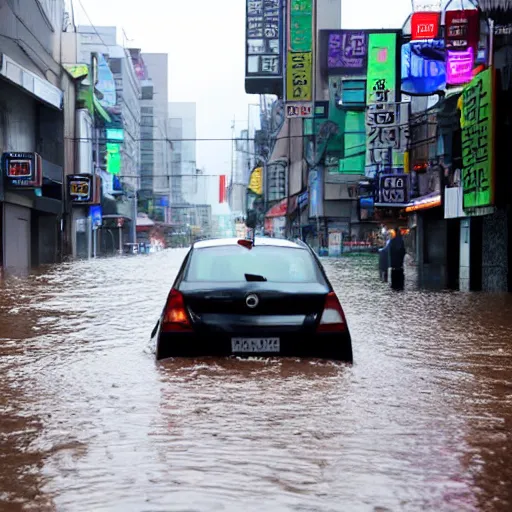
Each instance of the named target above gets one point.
<point>281,209</point>
<point>29,81</point>
<point>425,202</point>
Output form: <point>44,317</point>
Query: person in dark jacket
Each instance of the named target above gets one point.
<point>396,251</point>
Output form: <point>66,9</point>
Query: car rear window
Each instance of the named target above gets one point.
<point>232,262</point>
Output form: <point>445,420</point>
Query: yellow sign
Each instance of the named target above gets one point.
<point>79,189</point>
<point>77,70</point>
<point>299,76</point>
<point>256,181</point>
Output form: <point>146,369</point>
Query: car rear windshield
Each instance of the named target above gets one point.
<point>261,263</point>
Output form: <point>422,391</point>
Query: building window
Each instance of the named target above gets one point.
<point>353,92</point>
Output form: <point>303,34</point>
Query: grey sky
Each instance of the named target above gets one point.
<point>205,43</point>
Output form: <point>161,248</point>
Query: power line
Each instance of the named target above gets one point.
<point>92,24</point>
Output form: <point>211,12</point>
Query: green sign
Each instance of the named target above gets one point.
<point>381,71</point>
<point>477,126</point>
<point>113,158</point>
<point>301,26</point>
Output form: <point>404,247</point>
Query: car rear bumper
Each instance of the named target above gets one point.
<point>322,346</point>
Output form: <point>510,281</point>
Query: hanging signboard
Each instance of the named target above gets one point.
<point>299,77</point>
<point>303,110</point>
<point>393,190</point>
<point>459,66</point>
<point>264,48</point>
<point>344,52</point>
<point>423,67</point>
<point>477,125</point>
<point>84,189</point>
<point>462,29</point>
<point>425,25</point>
<point>300,26</point>
<point>23,170</point>
<point>299,70</point>
<point>256,181</point>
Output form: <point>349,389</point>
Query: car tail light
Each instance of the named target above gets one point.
<point>333,318</point>
<point>175,315</point>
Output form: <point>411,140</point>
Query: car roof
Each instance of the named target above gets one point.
<point>266,241</point>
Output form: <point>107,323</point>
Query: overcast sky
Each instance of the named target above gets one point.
<point>205,43</point>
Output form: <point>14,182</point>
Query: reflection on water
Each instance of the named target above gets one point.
<point>90,421</point>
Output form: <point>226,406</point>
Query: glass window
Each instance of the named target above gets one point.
<point>232,262</point>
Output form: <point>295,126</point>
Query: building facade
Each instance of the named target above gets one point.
<point>35,96</point>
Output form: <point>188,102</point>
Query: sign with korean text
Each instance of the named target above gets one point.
<point>383,113</point>
<point>462,29</point>
<point>346,52</point>
<point>299,77</point>
<point>300,37</point>
<point>477,124</point>
<point>425,25</point>
<point>264,56</point>
<point>393,189</point>
<point>304,110</point>
<point>23,170</point>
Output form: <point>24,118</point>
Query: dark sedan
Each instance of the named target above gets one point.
<point>237,297</point>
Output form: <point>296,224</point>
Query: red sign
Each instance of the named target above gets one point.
<point>23,170</point>
<point>425,25</point>
<point>462,29</point>
<point>222,188</point>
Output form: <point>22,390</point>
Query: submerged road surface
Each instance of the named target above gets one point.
<point>90,422</point>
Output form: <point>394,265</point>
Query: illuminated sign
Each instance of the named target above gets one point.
<point>115,134</point>
<point>84,189</point>
<point>462,29</point>
<point>346,51</point>
<point>423,67</point>
<point>477,125</point>
<point>304,110</point>
<point>23,170</point>
<point>459,66</point>
<point>425,25</point>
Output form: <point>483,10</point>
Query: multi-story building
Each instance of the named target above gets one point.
<point>175,133</point>
<point>157,65</point>
<point>186,112</point>
<point>127,115</point>
<point>36,132</point>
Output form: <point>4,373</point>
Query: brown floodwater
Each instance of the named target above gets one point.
<point>90,422</point>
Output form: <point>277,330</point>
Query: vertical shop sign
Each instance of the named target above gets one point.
<point>382,111</point>
<point>347,52</point>
<point>301,26</point>
<point>459,66</point>
<point>263,40</point>
<point>477,124</point>
<point>299,76</point>
<point>299,73</point>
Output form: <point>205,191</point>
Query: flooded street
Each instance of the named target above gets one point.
<point>90,422</point>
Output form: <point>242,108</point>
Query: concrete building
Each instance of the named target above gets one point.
<point>35,98</point>
<point>186,112</point>
<point>127,115</point>
<point>157,65</point>
<point>175,133</point>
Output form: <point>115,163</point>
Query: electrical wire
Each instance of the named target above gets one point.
<point>92,24</point>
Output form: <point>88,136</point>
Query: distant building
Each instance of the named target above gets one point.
<point>182,116</point>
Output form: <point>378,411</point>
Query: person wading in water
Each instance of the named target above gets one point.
<point>396,251</point>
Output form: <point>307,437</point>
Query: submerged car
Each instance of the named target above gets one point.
<point>262,297</point>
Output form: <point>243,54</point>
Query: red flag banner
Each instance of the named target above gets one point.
<point>425,25</point>
<point>222,188</point>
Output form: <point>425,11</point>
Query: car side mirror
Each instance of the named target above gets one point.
<point>252,219</point>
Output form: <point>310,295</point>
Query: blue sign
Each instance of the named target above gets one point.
<point>96,215</point>
<point>303,199</point>
<point>106,83</point>
<point>423,67</point>
<point>316,192</point>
